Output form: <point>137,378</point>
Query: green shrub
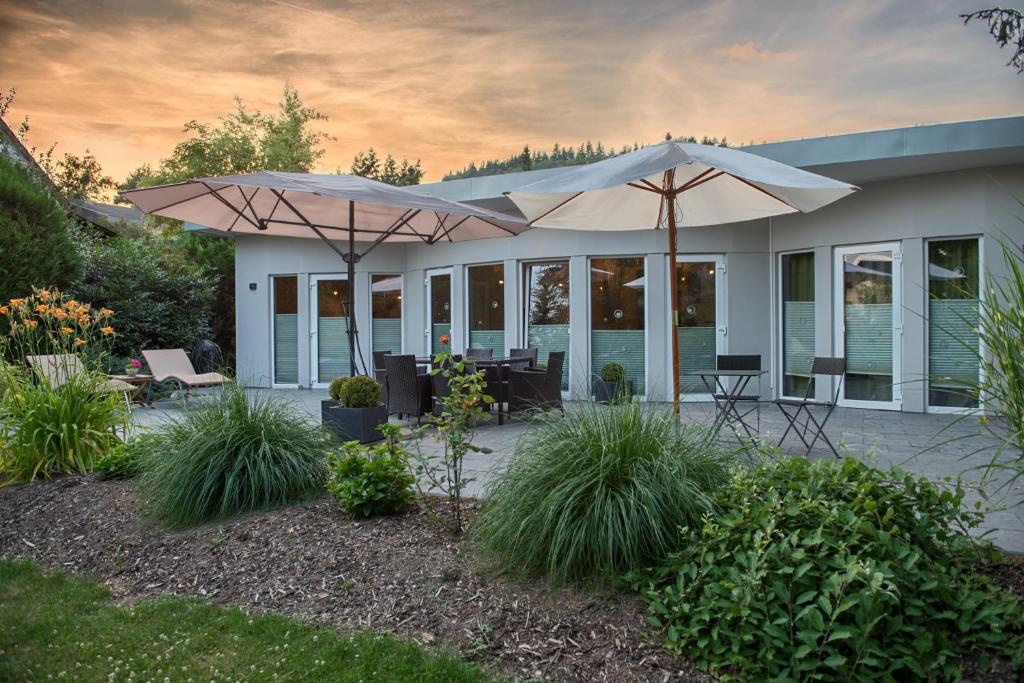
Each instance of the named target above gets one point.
<point>125,462</point>
<point>159,299</point>
<point>231,455</point>
<point>613,372</point>
<point>371,481</point>
<point>360,392</point>
<point>334,389</point>
<point>63,429</point>
<point>36,247</point>
<point>599,493</point>
<point>833,571</point>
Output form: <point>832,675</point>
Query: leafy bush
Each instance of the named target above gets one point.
<point>36,247</point>
<point>61,429</point>
<point>371,481</point>
<point>600,492</point>
<point>230,455</point>
<point>833,571</point>
<point>124,462</point>
<point>360,392</point>
<point>613,372</point>
<point>334,389</point>
<point>161,300</point>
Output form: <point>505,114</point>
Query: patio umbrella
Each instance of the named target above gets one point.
<point>326,207</point>
<point>671,185</point>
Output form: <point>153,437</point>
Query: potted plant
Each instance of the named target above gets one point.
<point>132,367</point>
<point>612,386</point>
<point>359,410</point>
<point>334,391</point>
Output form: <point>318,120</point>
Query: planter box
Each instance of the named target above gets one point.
<point>612,392</point>
<point>354,424</point>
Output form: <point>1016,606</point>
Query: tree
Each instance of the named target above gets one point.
<point>81,177</point>
<point>36,247</point>
<point>525,162</point>
<point>1007,27</point>
<point>368,165</point>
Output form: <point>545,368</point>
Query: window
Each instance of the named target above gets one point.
<point>286,328</point>
<point>547,319</point>
<point>797,299</point>
<point>332,342</point>
<point>617,289</point>
<point>953,309</point>
<point>487,307</point>
<point>386,305</point>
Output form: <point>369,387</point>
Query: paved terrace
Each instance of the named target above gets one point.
<point>934,446</point>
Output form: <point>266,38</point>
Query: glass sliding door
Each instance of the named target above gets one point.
<point>386,312</point>
<point>954,273</point>
<point>439,310</point>
<point>486,290</point>
<point>617,318</point>
<point>798,329</point>
<point>329,346</point>
<point>285,322</point>
<point>698,294</point>
<point>547,311</point>
<point>869,322</point>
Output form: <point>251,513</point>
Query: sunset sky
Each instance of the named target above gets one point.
<point>454,82</point>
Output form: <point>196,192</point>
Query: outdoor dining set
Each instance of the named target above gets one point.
<point>515,382</point>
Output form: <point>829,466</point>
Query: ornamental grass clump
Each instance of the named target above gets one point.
<point>599,493</point>
<point>231,455</point>
<point>834,571</point>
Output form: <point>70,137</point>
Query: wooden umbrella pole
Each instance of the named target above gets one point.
<point>670,202</point>
<point>352,288</point>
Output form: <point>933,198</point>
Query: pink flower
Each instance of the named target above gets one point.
<point>136,363</point>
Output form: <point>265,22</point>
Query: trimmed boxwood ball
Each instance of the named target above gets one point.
<point>359,392</point>
<point>335,387</point>
<point>230,455</point>
<point>613,372</point>
<point>834,571</point>
<point>599,493</point>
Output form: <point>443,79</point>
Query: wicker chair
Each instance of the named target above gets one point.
<point>537,388</point>
<point>474,352</point>
<point>408,391</point>
<point>529,352</point>
<point>380,374</point>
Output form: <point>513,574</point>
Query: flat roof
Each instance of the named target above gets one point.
<point>854,157</point>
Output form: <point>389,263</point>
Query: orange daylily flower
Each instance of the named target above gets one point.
<point>106,312</point>
<point>82,310</point>
<point>79,341</point>
<point>66,330</point>
<point>42,308</point>
<point>17,302</point>
<point>4,310</point>
<point>71,304</point>
<point>31,324</point>
<point>107,330</point>
<point>44,294</point>
<point>58,313</point>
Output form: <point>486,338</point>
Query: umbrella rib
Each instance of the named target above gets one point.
<point>696,183</point>
<point>759,189</point>
<point>499,227</point>
<point>647,189</point>
<point>696,180</point>
<point>448,232</point>
<point>554,208</point>
<point>235,222</point>
<point>230,205</point>
<point>403,220</point>
<point>438,227</point>
<point>175,203</point>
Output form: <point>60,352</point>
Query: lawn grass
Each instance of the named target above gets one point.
<point>62,627</point>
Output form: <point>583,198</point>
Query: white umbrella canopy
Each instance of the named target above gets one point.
<point>674,184</point>
<point>330,207</point>
<point>290,204</point>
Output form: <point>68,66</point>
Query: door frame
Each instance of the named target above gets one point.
<point>647,258</point>
<point>401,308</point>
<point>721,312</point>
<point>525,309</point>
<point>272,288</point>
<point>314,332</point>
<point>839,319</point>
<point>428,314</point>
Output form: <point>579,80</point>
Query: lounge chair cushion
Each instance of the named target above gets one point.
<point>174,364</point>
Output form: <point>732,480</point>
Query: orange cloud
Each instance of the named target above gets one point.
<point>751,51</point>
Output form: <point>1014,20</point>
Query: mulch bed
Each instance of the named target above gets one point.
<point>401,574</point>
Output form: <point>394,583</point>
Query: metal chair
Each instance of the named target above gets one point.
<point>537,388</point>
<point>476,352</point>
<point>825,367</point>
<point>751,402</point>
<point>408,391</point>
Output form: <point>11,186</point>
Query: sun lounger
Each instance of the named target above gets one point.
<point>58,368</point>
<point>172,365</point>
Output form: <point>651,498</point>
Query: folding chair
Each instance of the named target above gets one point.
<point>825,367</point>
<point>734,400</point>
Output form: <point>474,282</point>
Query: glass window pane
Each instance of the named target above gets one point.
<point>386,323</point>
<point>286,329</point>
<point>868,292</point>
<point>548,312</point>
<point>698,330</point>
<point>487,307</point>
<point>440,311</point>
<point>798,325</point>
<point>617,316</point>
<point>332,330</point>
<point>953,308</point>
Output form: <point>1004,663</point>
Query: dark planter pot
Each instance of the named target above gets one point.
<point>355,424</point>
<point>612,392</point>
